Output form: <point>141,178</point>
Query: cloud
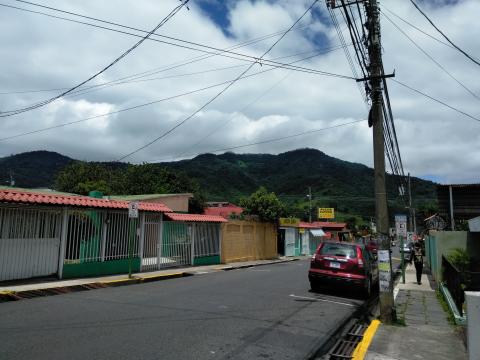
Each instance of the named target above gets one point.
<point>41,53</point>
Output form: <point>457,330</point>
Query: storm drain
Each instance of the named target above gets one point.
<point>29,294</point>
<point>344,348</point>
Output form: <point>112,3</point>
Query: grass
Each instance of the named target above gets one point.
<point>446,308</point>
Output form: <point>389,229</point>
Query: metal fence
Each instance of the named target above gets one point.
<point>41,241</point>
<point>453,280</point>
<point>29,242</point>
<point>99,235</point>
<point>207,239</point>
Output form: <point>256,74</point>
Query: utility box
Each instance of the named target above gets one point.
<point>473,325</point>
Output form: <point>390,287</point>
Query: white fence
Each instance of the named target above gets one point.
<point>29,242</point>
<point>40,241</point>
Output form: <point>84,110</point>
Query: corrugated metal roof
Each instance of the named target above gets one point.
<point>30,197</point>
<point>194,217</point>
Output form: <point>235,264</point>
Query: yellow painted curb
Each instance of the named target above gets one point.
<point>7,292</point>
<point>362,347</point>
<point>162,275</point>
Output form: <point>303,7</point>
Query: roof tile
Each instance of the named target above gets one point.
<point>194,217</point>
<point>74,200</point>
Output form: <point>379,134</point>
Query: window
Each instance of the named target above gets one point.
<point>344,250</point>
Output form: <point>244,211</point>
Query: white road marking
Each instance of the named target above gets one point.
<point>319,299</point>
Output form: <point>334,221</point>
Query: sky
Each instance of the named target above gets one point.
<point>40,55</point>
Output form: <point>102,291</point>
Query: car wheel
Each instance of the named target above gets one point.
<point>367,289</point>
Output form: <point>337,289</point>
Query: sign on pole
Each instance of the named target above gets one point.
<point>294,222</point>
<point>326,213</point>
<point>410,237</point>
<point>401,225</point>
<point>133,209</point>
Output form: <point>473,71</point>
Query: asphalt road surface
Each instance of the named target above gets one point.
<point>264,312</point>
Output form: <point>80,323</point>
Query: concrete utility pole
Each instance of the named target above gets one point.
<point>310,204</point>
<point>412,222</point>
<point>381,210</point>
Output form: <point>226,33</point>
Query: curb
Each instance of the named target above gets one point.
<point>228,268</point>
<point>323,347</point>
<point>6,296</point>
<point>362,347</point>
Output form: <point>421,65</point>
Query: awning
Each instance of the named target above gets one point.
<point>317,232</point>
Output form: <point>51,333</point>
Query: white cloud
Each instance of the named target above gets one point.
<point>43,53</point>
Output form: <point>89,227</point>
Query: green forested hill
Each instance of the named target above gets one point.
<point>335,183</point>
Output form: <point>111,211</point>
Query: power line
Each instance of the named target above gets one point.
<point>169,66</point>
<point>144,104</point>
<point>431,57</point>
<point>436,100</point>
<point>125,53</point>
<point>445,36</point>
<point>221,91</point>
<point>212,50</point>
<point>274,139</point>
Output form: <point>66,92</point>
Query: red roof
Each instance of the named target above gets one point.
<point>194,217</point>
<point>24,197</point>
<point>322,225</point>
<point>223,211</point>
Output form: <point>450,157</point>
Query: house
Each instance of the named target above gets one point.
<point>176,202</point>
<point>303,238</point>
<point>458,203</point>
<point>224,209</point>
<point>47,233</point>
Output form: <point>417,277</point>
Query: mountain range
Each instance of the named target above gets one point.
<point>229,176</point>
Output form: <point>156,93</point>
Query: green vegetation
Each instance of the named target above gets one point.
<point>263,204</point>
<point>346,186</point>
<point>81,178</point>
<point>446,308</point>
<point>460,258</point>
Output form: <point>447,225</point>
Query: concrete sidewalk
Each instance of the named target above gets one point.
<point>49,285</point>
<point>427,333</point>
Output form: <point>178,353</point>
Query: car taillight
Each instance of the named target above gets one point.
<point>360,258</point>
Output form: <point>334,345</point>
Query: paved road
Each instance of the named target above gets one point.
<point>264,312</point>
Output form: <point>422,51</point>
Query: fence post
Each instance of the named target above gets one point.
<point>104,235</point>
<point>63,241</point>
<point>194,228</point>
<point>160,241</point>
<point>219,231</point>
<point>141,239</point>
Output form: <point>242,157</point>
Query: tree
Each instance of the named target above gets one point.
<point>81,178</point>
<point>263,204</point>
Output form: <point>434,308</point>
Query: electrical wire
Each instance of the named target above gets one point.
<point>431,57</point>
<point>212,50</point>
<point>436,100</point>
<point>143,105</point>
<point>125,53</point>
<point>271,139</point>
<point>443,34</point>
<point>166,133</point>
<point>161,68</point>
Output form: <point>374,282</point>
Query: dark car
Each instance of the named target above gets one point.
<point>349,264</point>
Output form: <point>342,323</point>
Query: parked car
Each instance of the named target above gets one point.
<point>370,244</point>
<point>350,264</point>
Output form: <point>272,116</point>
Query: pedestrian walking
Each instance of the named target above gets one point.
<point>418,261</point>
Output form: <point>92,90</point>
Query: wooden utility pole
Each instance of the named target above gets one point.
<point>310,204</point>
<point>381,210</point>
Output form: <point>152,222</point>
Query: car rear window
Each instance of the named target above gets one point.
<point>344,250</point>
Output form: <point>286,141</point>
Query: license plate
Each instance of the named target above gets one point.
<point>335,265</point>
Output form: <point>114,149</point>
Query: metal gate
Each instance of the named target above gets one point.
<point>29,242</point>
<point>166,244</point>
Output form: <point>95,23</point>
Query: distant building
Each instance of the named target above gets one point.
<point>458,202</point>
<point>222,208</point>
<point>176,202</point>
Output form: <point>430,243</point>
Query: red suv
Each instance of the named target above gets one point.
<point>346,263</point>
